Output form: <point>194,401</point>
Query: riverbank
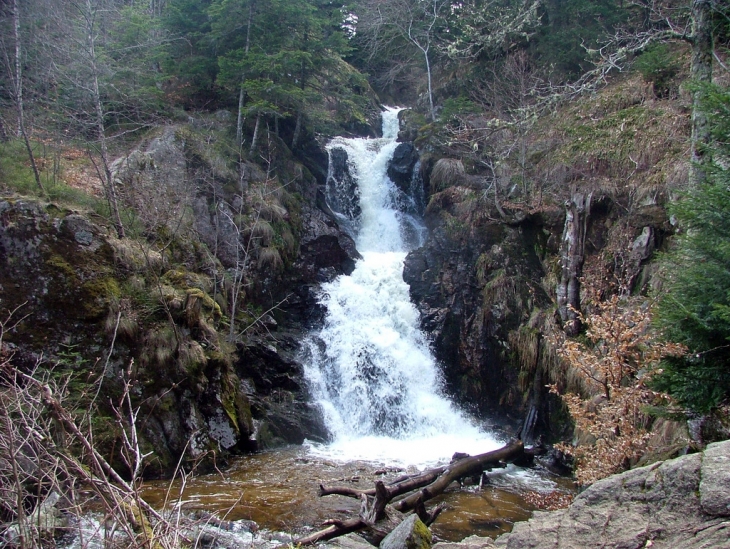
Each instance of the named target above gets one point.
<point>678,503</point>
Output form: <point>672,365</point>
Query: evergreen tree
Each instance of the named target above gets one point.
<point>695,310</point>
<point>189,62</point>
<point>277,56</point>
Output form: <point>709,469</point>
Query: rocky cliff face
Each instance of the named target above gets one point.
<point>488,285</point>
<point>516,239</point>
<point>155,307</point>
<point>475,281</point>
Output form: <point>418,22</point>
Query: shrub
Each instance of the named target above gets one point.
<point>618,354</point>
<point>659,64</point>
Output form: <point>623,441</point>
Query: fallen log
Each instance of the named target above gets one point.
<point>462,468</point>
<point>396,488</point>
<point>376,512</point>
<point>334,529</point>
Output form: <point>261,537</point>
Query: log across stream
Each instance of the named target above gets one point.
<point>279,490</point>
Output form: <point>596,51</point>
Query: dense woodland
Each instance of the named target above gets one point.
<point>253,87</point>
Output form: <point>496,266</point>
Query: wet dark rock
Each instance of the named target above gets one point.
<point>404,170</point>
<point>400,167</point>
<point>474,282</point>
<point>273,378</point>
<point>556,462</point>
<point>342,192</point>
<point>325,246</point>
<point>325,252</point>
<point>313,155</point>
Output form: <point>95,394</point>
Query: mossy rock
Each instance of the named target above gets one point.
<point>236,405</point>
<point>191,358</point>
<point>412,533</point>
<point>60,265</point>
<point>410,123</point>
<point>181,278</point>
<point>97,295</point>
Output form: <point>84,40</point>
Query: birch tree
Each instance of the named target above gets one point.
<point>14,70</point>
<point>85,58</point>
<point>105,67</point>
<point>414,21</point>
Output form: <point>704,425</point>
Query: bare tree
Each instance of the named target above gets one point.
<point>247,215</point>
<point>106,79</point>
<point>476,26</point>
<point>241,92</point>
<point>89,12</point>
<point>14,69</point>
<point>415,21</point>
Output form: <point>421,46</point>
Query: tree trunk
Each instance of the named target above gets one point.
<point>106,172</point>
<point>461,468</point>
<point>18,84</point>
<point>430,89</point>
<point>242,94</point>
<point>255,138</point>
<point>239,121</point>
<point>572,248</point>
<point>700,73</point>
<point>297,131</point>
<point>3,131</point>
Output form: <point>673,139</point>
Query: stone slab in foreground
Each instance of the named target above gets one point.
<point>680,503</point>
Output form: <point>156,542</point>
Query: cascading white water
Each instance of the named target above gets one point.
<point>371,369</point>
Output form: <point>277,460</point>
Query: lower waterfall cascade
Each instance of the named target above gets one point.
<point>370,367</point>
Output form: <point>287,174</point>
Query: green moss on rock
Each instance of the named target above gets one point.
<point>60,265</point>
<point>97,295</point>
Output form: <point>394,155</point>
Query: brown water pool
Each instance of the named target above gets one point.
<point>279,491</point>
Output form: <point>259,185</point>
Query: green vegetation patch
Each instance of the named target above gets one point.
<point>59,264</point>
<point>621,140</point>
<point>97,295</point>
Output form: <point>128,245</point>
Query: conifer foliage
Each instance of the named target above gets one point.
<point>695,304</point>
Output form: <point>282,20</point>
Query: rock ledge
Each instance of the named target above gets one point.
<point>683,502</point>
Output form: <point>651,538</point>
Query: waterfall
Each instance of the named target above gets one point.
<point>370,366</point>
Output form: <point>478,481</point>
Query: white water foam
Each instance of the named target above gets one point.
<point>371,369</point>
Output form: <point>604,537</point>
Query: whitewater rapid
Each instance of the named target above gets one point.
<point>371,369</point>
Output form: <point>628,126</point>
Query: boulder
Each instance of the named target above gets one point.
<point>682,502</point>
<point>273,381</point>
<point>350,541</point>
<point>472,542</point>
<point>410,122</point>
<point>400,167</point>
<point>412,533</point>
<point>342,191</point>
<point>41,524</point>
<point>325,250</point>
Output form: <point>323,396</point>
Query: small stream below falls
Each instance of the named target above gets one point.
<point>278,490</point>
<point>371,371</point>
